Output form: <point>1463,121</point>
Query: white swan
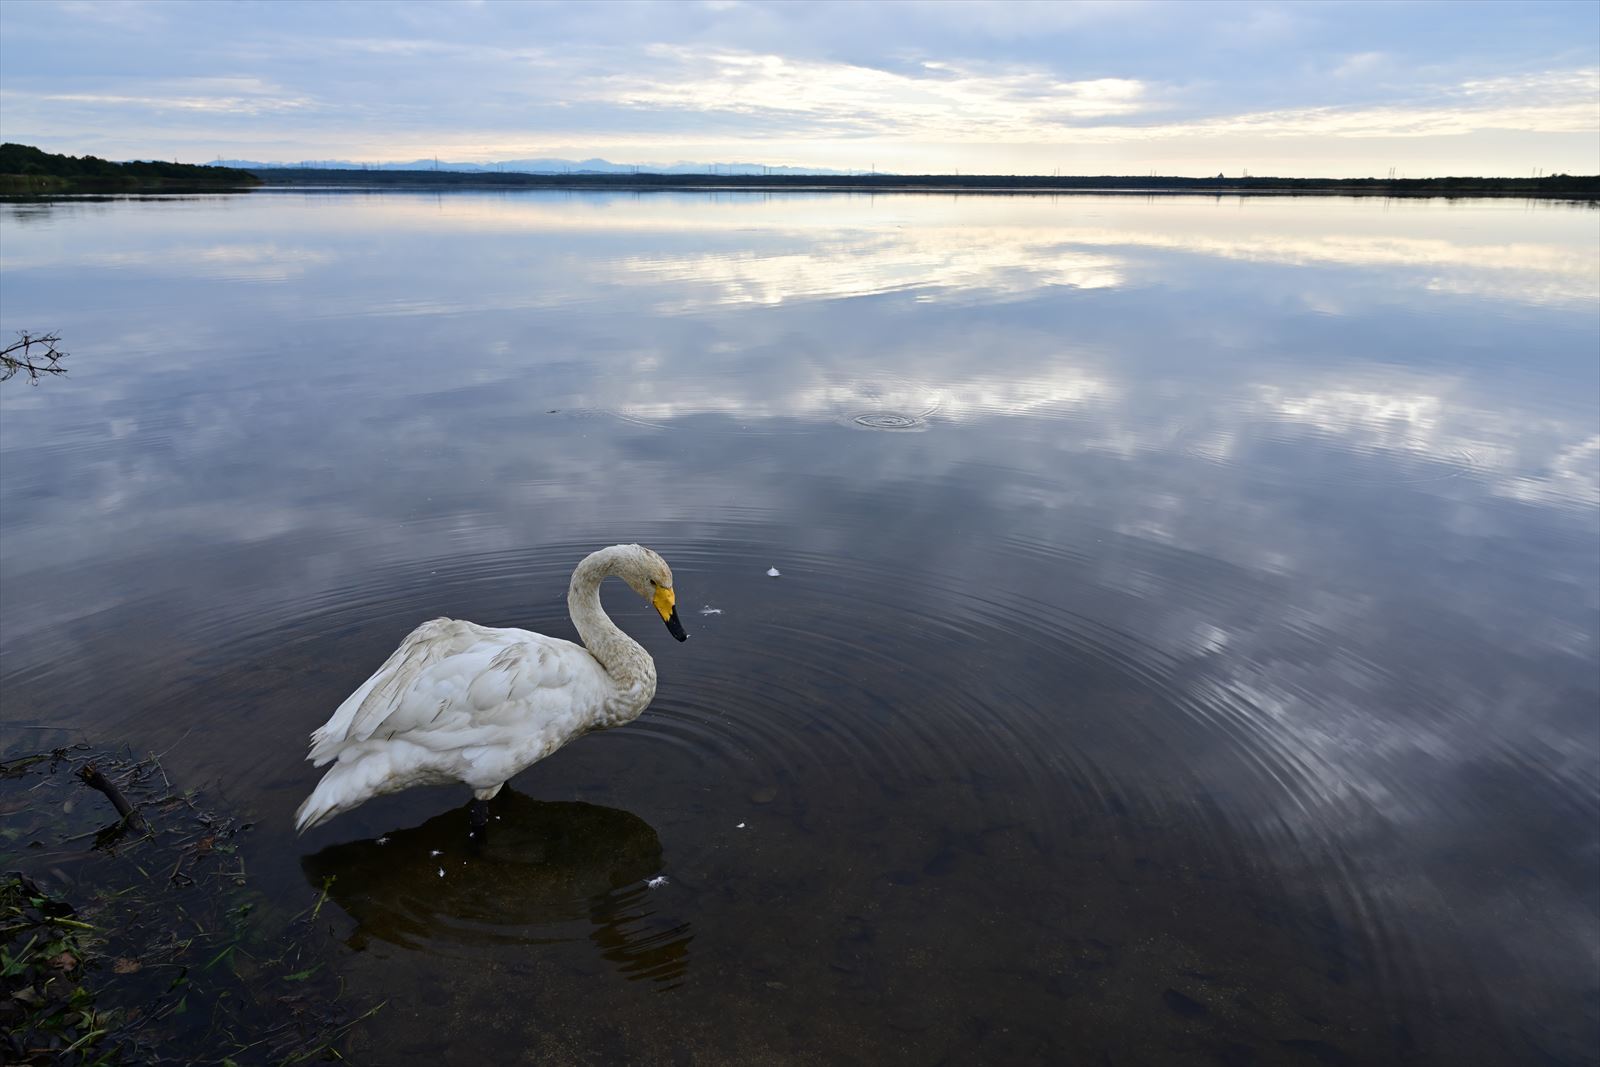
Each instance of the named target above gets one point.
<point>459,702</point>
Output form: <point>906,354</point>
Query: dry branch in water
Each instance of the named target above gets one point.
<point>130,815</point>
<point>35,355</point>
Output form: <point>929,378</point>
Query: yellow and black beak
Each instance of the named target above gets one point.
<point>667,605</point>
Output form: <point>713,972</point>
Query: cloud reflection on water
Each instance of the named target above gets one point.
<point>1329,526</point>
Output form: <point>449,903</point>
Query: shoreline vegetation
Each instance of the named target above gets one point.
<point>29,172</point>
<point>146,939</point>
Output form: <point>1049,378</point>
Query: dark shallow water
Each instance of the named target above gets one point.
<point>1185,647</point>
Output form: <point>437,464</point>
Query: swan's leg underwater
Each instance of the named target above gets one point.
<point>478,816</point>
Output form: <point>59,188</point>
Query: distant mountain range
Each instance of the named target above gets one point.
<point>534,166</point>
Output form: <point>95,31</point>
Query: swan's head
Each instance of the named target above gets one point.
<point>648,575</point>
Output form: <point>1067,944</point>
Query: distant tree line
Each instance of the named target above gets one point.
<point>28,170</point>
<point>24,168</point>
<point>1554,185</point>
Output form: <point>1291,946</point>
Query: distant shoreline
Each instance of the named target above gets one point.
<point>1563,187</point>
<point>28,173</point>
<point>36,187</point>
<point>185,179</point>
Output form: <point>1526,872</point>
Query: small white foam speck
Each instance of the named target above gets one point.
<point>657,882</point>
<point>709,610</point>
<point>441,872</point>
<point>739,827</point>
<point>772,572</point>
<point>436,852</point>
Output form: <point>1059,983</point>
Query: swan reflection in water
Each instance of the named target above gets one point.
<point>544,866</point>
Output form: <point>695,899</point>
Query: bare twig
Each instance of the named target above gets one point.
<point>34,355</point>
<point>157,756</point>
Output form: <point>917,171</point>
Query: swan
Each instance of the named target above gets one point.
<point>459,702</point>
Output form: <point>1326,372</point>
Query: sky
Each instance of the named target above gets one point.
<point>1127,87</point>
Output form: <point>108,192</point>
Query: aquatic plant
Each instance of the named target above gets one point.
<point>144,940</point>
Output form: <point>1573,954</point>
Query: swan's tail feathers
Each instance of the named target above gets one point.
<point>345,786</point>
<point>317,809</point>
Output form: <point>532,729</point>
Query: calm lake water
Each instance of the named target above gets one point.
<point>1186,646</point>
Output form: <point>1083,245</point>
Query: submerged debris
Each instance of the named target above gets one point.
<point>144,940</point>
<point>130,815</point>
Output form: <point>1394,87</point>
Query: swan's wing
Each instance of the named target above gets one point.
<point>454,679</point>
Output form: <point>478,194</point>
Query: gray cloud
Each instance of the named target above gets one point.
<point>937,86</point>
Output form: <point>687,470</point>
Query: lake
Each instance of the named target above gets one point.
<point>1185,645</point>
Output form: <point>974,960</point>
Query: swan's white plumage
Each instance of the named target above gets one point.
<point>459,702</point>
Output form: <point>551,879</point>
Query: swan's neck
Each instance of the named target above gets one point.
<point>624,659</point>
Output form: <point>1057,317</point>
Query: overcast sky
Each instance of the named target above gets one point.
<point>1334,89</point>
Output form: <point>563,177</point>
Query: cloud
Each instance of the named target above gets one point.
<point>124,14</point>
<point>232,96</point>
<point>911,87</point>
<point>945,101</point>
<point>1550,102</point>
<point>769,96</point>
<point>1361,65</point>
